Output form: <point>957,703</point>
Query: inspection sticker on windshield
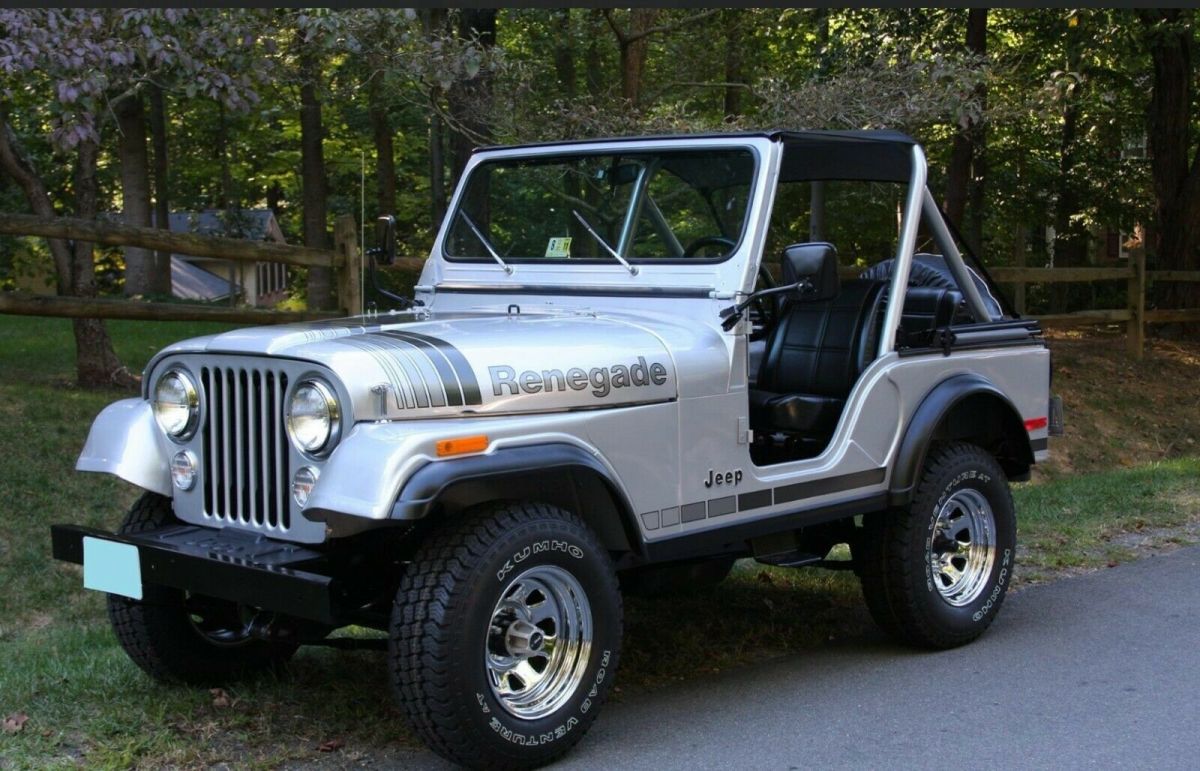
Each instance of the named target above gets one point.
<point>559,247</point>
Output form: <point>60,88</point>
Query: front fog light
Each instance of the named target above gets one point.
<point>303,483</point>
<point>183,470</point>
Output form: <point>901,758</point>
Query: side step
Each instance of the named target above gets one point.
<point>789,559</point>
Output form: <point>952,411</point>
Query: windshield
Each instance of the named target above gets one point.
<point>638,206</point>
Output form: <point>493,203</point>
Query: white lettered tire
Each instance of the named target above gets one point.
<point>935,574</point>
<point>505,635</point>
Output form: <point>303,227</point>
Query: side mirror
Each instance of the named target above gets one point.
<point>385,240</point>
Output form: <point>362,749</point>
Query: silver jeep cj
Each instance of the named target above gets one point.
<point>627,364</point>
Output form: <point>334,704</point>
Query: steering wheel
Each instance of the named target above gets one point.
<point>704,241</point>
<point>763,312</point>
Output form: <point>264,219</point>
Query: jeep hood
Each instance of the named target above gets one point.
<point>403,366</point>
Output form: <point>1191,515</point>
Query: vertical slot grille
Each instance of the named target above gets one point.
<point>245,465</point>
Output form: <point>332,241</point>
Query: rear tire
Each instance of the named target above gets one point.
<point>505,635</point>
<point>176,638</point>
<point>934,575</point>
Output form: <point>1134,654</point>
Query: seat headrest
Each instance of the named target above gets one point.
<point>815,261</point>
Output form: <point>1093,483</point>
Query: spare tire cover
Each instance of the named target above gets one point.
<point>932,270</point>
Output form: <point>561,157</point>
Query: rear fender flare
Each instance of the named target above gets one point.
<point>930,422</point>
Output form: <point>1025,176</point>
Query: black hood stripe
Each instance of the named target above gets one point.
<point>454,394</point>
<point>459,378</point>
<point>405,389</point>
<point>416,365</point>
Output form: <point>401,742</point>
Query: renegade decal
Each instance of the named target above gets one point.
<point>602,380</point>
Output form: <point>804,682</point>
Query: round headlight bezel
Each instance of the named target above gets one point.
<point>192,402</point>
<point>333,410</point>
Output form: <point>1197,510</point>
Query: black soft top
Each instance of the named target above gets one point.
<point>880,155</point>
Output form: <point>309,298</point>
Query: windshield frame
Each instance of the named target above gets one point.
<point>638,195</point>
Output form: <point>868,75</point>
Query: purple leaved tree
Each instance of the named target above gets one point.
<point>68,76</point>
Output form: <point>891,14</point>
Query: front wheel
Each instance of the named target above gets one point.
<point>935,575</point>
<point>505,635</point>
<point>179,637</point>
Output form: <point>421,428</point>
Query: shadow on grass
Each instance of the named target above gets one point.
<point>87,703</point>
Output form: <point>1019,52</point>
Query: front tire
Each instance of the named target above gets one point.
<point>505,635</point>
<point>935,575</point>
<point>179,638</point>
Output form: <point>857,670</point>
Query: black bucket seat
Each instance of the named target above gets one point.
<point>821,343</point>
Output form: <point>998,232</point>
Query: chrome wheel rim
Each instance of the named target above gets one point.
<point>539,639</point>
<point>963,549</point>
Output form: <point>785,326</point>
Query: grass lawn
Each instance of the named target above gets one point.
<point>86,703</point>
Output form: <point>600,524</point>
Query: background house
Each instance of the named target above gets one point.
<point>213,280</point>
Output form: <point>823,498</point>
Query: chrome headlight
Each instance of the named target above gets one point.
<point>313,417</point>
<point>176,404</point>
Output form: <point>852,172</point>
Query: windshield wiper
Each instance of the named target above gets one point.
<point>633,271</point>
<point>486,243</point>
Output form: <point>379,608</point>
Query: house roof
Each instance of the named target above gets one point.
<point>192,282</point>
<point>250,224</point>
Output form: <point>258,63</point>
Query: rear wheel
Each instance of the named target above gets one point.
<point>935,575</point>
<point>505,635</point>
<point>177,637</point>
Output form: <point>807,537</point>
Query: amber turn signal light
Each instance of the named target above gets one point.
<point>462,445</point>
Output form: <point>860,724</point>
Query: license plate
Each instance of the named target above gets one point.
<point>112,567</point>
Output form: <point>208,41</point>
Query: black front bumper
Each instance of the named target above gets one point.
<point>252,570</point>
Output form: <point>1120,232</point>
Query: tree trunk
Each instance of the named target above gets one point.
<point>1070,240</point>
<point>437,171</point>
<point>162,197</point>
<point>145,273</point>
<point>435,22</point>
<point>225,197</point>
<point>1176,226</point>
<point>564,54</point>
<point>962,176</point>
<point>312,178</point>
<point>96,363</point>
<point>470,100</point>
<point>733,63</point>
<point>385,156</point>
<point>274,195</point>
<point>593,69</point>
<point>634,46</point>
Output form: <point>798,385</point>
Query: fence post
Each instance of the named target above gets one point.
<point>347,265</point>
<point>1135,329</point>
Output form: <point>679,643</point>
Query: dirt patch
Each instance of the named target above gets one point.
<point>1121,412</point>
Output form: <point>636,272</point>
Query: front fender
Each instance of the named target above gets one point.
<point>363,474</point>
<point>363,480</point>
<point>124,442</point>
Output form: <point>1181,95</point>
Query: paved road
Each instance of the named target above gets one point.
<point>1092,672</point>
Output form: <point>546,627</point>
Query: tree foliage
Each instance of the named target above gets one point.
<point>1052,111</point>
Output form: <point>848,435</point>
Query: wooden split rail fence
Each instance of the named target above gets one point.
<point>1134,314</point>
<point>346,261</point>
